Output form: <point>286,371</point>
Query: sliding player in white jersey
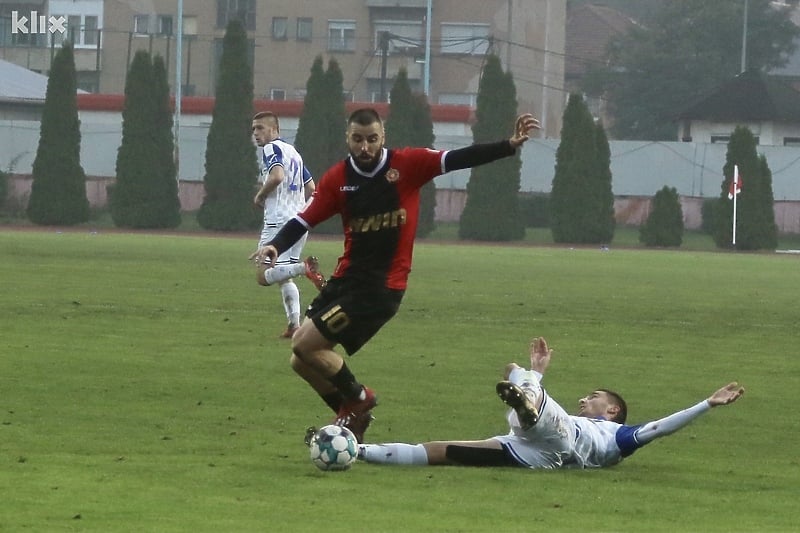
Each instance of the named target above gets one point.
<point>286,185</point>
<point>542,434</point>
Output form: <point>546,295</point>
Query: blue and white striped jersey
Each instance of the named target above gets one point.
<point>289,197</point>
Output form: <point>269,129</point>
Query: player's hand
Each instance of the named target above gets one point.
<point>265,255</point>
<point>258,201</point>
<point>727,394</point>
<point>522,129</point>
<point>540,355</point>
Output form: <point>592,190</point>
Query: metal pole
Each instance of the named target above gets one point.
<point>546,68</point>
<point>384,38</point>
<point>427,67</point>
<point>178,88</point>
<point>510,39</point>
<point>744,38</point>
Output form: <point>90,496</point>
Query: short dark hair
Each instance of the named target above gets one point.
<point>270,115</point>
<point>622,414</point>
<point>364,117</point>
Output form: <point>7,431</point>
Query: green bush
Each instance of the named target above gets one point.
<point>664,226</point>
<point>231,169</point>
<point>755,222</point>
<point>58,191</point>
<point>535,210</point>
<point>707,213</point>
<point>581,200</point>
<point>491,212</point>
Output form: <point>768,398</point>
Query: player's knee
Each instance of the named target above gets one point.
<point>510,367</point>
<point>295,363</point>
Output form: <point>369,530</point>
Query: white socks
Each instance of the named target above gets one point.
<point>394,453</point>
<point>291,301</point>
<point>280,273</point>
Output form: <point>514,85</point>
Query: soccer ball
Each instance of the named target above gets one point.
<point>333,448</point>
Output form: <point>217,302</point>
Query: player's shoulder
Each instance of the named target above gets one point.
<point>412,151</point>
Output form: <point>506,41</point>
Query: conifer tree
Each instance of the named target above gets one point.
<point>605,223</point>
<point>58,191</point>
<point>231,165</point>
<point>145,194</point>
<point>755,211</point>
<point>581,199</point>
<point>409,124</point>
<point>664,225</point>
<point>167,213</point>
<point>320,130</point>
<point>335,115</point>
<point>492,210</point>
<point>311,138</point>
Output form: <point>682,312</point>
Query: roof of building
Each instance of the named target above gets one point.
<point>792,67</point>
<point>590,27</point>
<point>19,83</point>
<point>750,96</point>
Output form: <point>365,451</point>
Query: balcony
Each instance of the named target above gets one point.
<point>419,4</point>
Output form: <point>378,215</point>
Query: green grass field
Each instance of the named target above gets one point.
<point>142,388</point>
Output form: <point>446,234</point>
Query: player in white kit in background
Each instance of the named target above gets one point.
<point>542,434</point>
<point>286,185</point>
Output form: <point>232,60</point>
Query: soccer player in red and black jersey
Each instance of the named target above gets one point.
<point>376,193</point>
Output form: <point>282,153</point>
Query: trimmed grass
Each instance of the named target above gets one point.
<point>144,389</point>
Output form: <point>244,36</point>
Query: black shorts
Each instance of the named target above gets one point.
<point>349,314</point>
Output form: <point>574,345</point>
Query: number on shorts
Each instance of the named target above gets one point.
<point>336,319</point>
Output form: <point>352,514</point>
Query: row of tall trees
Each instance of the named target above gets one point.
<point>146,194</point>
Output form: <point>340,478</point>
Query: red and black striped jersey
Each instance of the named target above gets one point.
<point>379,213</point>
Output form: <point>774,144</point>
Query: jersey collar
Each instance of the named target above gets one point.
<point>378,168</point>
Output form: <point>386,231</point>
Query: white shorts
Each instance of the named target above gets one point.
<point>290,256</point>
<point>548,444</point>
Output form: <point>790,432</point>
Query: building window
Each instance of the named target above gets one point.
<point>74,29</point>
<point>243,10</point>
<point>469,99</point>
<point>791,141</point>
<point>190,25</point>
<point>300,94</point>
<point>277,94</point>
<point>465,39</point>
<point>57,38</point>
<point>725,139</point>
<point>165,24</point>
<point>304,29</point>
<point>91,36</point>
<point>404,36</point>
<point>279,28</point>
<point>342,35</point>
<point>141,24</point>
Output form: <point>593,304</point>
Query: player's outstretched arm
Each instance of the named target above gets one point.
<point>727,394</point>
<point>523,127</point>
<point>672,423</point>
<point>540,355</point>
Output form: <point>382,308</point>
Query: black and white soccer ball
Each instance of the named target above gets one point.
<point>333,448</point>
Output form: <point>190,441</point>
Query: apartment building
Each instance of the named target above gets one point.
<point>370,39</point>
<point>31,31</point>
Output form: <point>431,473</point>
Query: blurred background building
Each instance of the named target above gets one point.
<point>370,39</point>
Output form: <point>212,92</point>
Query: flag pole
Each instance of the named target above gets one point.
<point>735,189</point>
